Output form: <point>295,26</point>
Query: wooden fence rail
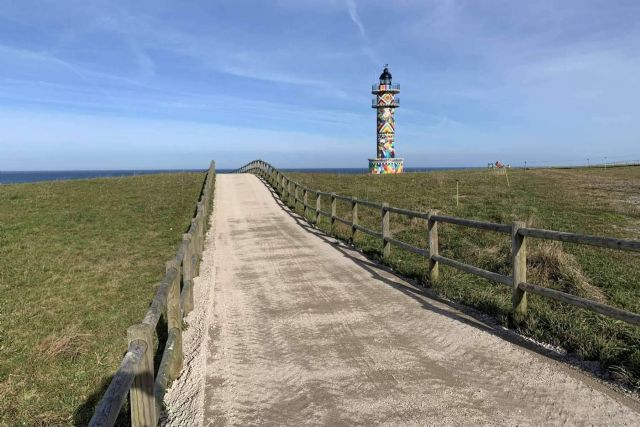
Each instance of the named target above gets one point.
<point>288,189</point>
<point>173,300</point>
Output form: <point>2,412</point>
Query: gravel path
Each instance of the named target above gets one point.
<point>291,328</point>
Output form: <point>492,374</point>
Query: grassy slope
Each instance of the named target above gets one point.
<point>78,264</point>
<point>593,201</point>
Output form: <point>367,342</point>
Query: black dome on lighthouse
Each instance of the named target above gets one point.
<point>385,77</point>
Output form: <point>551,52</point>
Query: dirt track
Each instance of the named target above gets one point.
<point>290,328</point>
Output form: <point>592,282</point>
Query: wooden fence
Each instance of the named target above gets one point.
<point>290,190</point>
<point>173,300</point>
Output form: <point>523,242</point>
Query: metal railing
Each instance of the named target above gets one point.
<point>385,88</point>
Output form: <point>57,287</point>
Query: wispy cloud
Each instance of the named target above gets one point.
<point>366,45</point>
<point>353,14</point>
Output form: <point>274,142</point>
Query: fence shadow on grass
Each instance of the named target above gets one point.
<point>84,412</point>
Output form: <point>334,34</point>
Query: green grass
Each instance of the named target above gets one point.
<point>603,202</point>
<point>79,263</point>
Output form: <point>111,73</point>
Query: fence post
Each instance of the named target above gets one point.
<point>285,189</point>
<point>386,245</point>
<point>295,196</point>
<point>354,218</point>
<point>519,264</point>
<point>305,201</point>
<point>174,318</point>
<point>202,225</point>
<point>199,230</point>
<point>333,214</point>
<point>289,192</point>
<point>432,230</point>
<point>196,239</point>
<point>318,207</point>
<point>187,272</point>
<point>142,394</point>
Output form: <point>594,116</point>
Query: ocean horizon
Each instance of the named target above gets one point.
<point>18,177</point>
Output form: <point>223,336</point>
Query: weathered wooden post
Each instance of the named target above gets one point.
<point>195,239</point>
<point>354,218</point>
<point>203,224</point>
<point>187,272</point>
<point>284,190</point>
<point>519,264</point>
<point>200,222</point>
<point>295,196</point>
<point>318,207</point>
<point>142,395</point>
<point>386,245</point>
<point>199,235</point>
<point>333,214</point>
<point>432,230</point>
<point>305,201</point>
<point>174,318</point>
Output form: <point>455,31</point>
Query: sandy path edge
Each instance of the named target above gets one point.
<point>184,400</point>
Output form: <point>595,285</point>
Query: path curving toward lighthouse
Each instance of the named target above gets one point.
<point>292,328</point>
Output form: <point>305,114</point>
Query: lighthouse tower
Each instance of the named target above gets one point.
<point>385,104</point>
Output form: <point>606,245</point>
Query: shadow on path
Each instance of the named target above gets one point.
<point>437,304</point>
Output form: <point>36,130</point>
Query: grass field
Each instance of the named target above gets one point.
<point>79,262</point>
<point>597,201</point>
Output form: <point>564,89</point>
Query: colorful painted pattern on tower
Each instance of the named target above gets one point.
<point>385,103</point>
<point>383,166</point>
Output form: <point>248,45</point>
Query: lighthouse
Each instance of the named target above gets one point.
<point>385,103</point>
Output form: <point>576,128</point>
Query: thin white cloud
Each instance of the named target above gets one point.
<point>176,103</point>
<point>353,14</point>
<point>355,18</point>
<point>146,32</point>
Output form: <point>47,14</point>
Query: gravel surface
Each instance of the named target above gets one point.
<point>290,328</point>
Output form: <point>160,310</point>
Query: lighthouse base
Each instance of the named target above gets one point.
<point>386,166</point>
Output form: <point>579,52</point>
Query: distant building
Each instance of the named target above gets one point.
<point>385,104</point>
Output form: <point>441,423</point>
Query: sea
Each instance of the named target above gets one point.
<point>14,177</point>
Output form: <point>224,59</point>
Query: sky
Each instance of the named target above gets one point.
<point>167,84</point>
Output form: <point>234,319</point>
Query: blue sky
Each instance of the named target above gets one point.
<point>167,84</point>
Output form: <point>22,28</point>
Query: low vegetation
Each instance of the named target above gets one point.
<point>594,201</point>
<point>79,263</point>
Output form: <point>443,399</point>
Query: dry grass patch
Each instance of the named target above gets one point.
<point>553,267</point>
<point>67,343</point>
